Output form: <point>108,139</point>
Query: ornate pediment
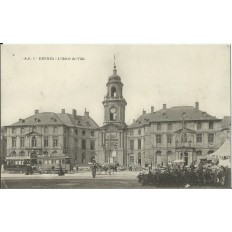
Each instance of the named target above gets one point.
<point>33,133</point>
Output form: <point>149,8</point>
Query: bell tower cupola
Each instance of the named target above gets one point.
<point>114,103</point>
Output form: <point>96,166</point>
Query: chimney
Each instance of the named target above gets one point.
<point>63,111</point>
<point>144,111</point>
<point>197,105</point>
<point>164,106</point>
<point>152,109</point>
<point>36,111</point>
<point>74,113</point>
<point>86,113</point>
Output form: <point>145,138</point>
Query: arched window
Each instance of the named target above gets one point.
<point>113,92</point>
<point>45,153</point>
<point>139,158</point>
<point>13,153</point>
<point>34,142</point>
<point>158,156</point>
<point>83,158</point>
<point>22,153</point>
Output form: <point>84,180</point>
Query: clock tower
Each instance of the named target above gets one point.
<point>114,103</point>
<point>112,135</point>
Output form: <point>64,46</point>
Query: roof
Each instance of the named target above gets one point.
<point>226,123</point>
<point>173,114</point>
<point>50,118</point>
<point>114,77</point>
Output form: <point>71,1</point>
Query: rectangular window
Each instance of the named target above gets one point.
<point>132,159</point>
<point>199,138</point>
<point>55,142</point>
<point>211,138</point>
<point>158,127</point>
<point>22,130</point>
<point>13,130</point>
<point>132,145</point>
<point>83,132</point>
<point>158,138</point>
<point>55,130</point>
<point>92,145</point>
<point>45,130</point>
<point>13,142</point>
<point>46,142</point>
<point>76,132</point>
<point>169,139</point>
<point>139,144</point>
<point>198,126</point>
<point>184,138</point>
<point>211,125</point>
<point>199,153</point>
<point>131,132</point>
<point>22,142</point>
<point>83,144</point>
<point>92,133</point>
<point>169,126</point>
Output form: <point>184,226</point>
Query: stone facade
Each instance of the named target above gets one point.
<point>156,138</point>
<point>170,134</point>
<point>52,138</point>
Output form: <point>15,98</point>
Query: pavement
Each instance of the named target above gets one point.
<point>76,175</point>
<point>80,180</point>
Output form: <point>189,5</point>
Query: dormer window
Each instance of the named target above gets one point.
<point>184,115</point>
<point>165,116</point>
<point>53,120</point>
<point>203,114</point>
<point>37,120</point>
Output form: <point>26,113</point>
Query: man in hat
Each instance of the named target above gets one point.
<point>94,168</point>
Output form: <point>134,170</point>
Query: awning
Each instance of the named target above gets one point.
<point>223,152</point>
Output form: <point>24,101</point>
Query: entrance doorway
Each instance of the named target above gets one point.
<point>185,158</point>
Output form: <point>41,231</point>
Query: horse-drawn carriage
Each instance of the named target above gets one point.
<point>105,168</point>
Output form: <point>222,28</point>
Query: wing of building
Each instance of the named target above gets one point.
<point>52,138</point>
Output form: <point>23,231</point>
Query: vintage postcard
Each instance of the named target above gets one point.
<point>115,116</point>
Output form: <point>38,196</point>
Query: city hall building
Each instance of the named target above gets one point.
<point>157,137</point>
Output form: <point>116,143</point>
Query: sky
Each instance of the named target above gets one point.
<point>153,75</point>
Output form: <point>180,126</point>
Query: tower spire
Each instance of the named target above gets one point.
<point>114,62</point>
<point>115,70</point>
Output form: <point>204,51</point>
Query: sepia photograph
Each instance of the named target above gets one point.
<point>115,116</point>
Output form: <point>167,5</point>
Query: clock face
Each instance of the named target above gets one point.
<point>112,110</point>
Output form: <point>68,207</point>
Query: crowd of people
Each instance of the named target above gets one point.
<point>195,175</point>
